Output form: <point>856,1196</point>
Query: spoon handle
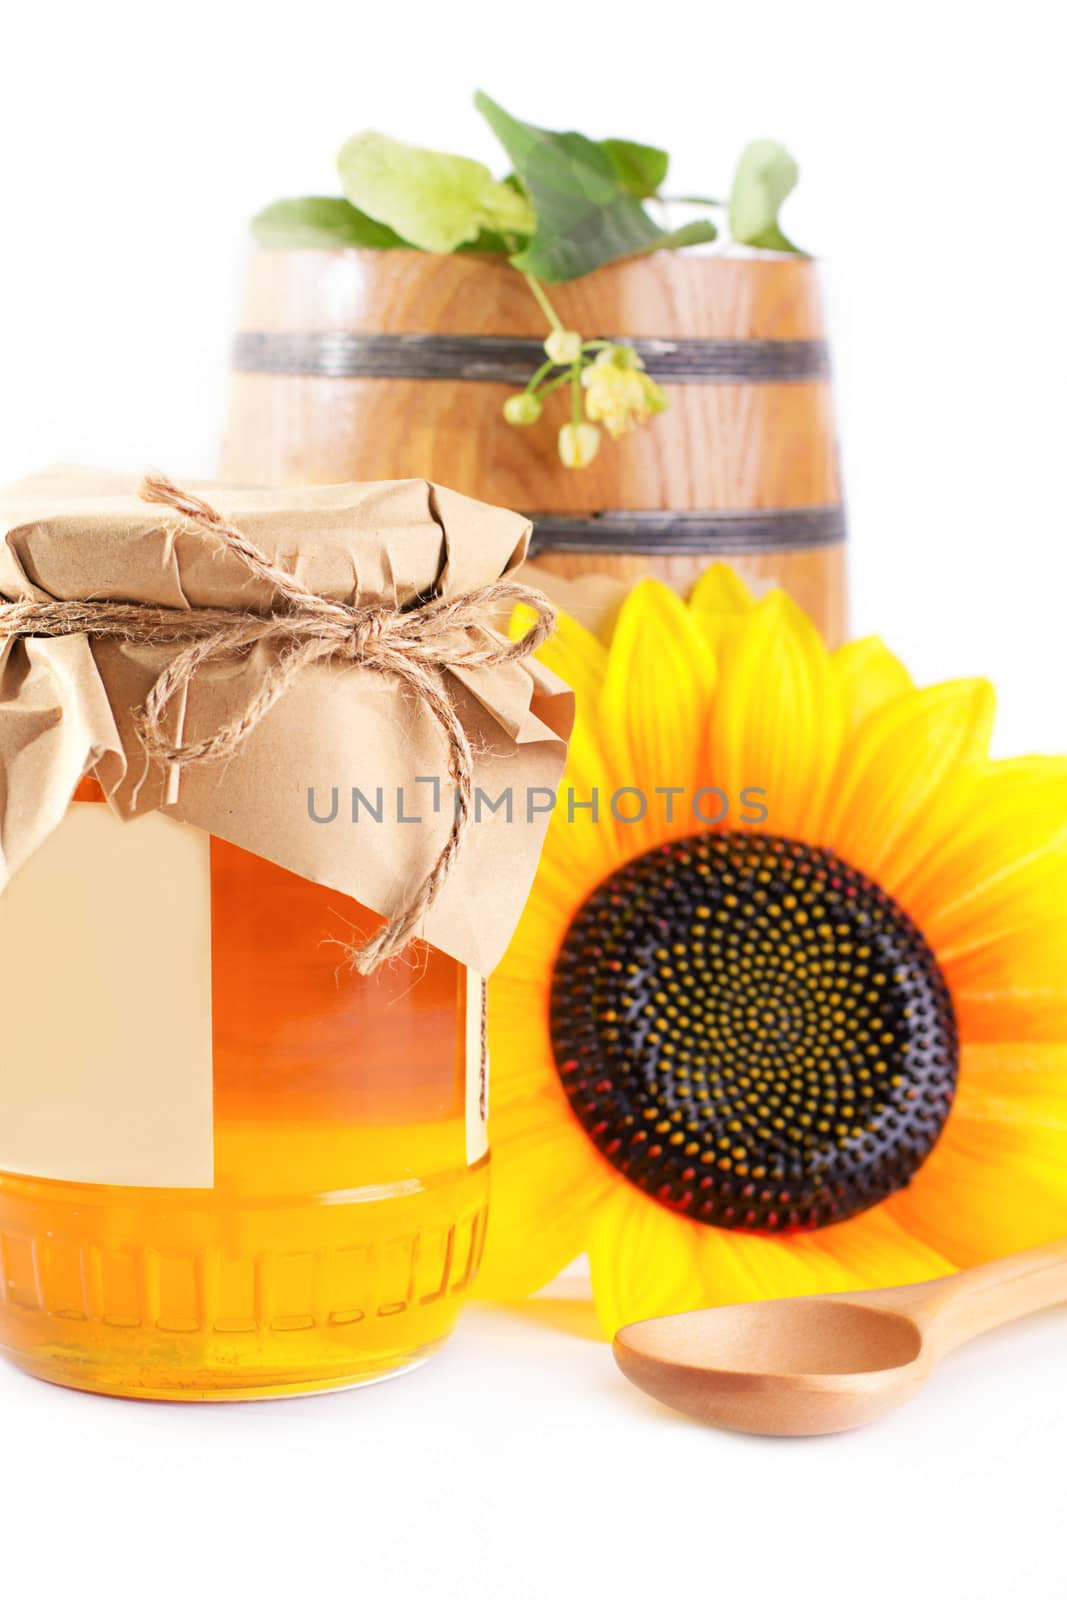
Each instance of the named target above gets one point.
<point>1001,1291</point>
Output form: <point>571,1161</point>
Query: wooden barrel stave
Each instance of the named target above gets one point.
<point>396,291</point>
<point>765,447</point>
<point>737,437</point>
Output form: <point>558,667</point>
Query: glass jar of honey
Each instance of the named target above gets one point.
<point>236,1160</point>
<point>346,1216</point>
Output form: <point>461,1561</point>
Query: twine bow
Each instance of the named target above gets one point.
<point>414,646</point>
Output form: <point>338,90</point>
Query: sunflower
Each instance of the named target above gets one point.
<point>787,1009</point>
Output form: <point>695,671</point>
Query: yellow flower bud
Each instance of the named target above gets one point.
<point>563,346</point>
<point>578,443</point>
<point>521,409</point>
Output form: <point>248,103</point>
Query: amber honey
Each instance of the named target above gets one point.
<point>347,1212</point>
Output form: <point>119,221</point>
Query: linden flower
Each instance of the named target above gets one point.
<point>563,346</point>
<point>618,392</point>
<point>822,1051</point>
<point>578,443</point>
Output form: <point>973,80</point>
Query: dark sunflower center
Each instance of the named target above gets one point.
<point>753,1032</point>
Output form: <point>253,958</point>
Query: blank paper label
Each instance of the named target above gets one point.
<point>477,1069</point>
<point>105,987</point>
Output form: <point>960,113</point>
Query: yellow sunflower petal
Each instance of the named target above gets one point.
<point>868,674</point>
<point>895,791</point>
<point>997,1179</point>
<point>649,1261</point>
<point>656,701</point>
<point>520,1046</point>
<point>573,652</point>
<point>1003,866</point>
<point>546,1183</point>
<point>990,893</point>
<point>1022,1084</point>
<point>777,720</point>
<point>583,842</point>
<point>1014,986</point>
<point>720,600</point>
<point>644,1259</point>
<point>583,853</point>
<point>872,1251</point>
<point>740,1266</point>
<point>720,591</point>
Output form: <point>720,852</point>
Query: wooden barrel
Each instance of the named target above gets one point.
<point>383,364</point>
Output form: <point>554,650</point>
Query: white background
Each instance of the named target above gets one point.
<point>135,142</point>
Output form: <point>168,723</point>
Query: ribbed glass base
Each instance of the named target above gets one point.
<point>180,1295</point>
<point>56,1367</point>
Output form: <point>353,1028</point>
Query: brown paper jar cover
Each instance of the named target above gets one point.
<point>67,704</point>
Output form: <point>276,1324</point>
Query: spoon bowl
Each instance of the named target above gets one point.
<point>824,1363</point>
<point>778,1367</point>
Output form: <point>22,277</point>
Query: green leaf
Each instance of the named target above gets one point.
<point>435,201</point>
<point>495,243</point>
<point>700,231</point>
<point>585,214</point>
<point>487,244</point>
<point>321,222</point>
<point>766,175</point>
<point>641,168</point>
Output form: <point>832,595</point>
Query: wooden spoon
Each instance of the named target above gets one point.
<point>823,1363</point>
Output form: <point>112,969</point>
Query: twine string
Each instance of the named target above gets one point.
<point>415,647</point>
